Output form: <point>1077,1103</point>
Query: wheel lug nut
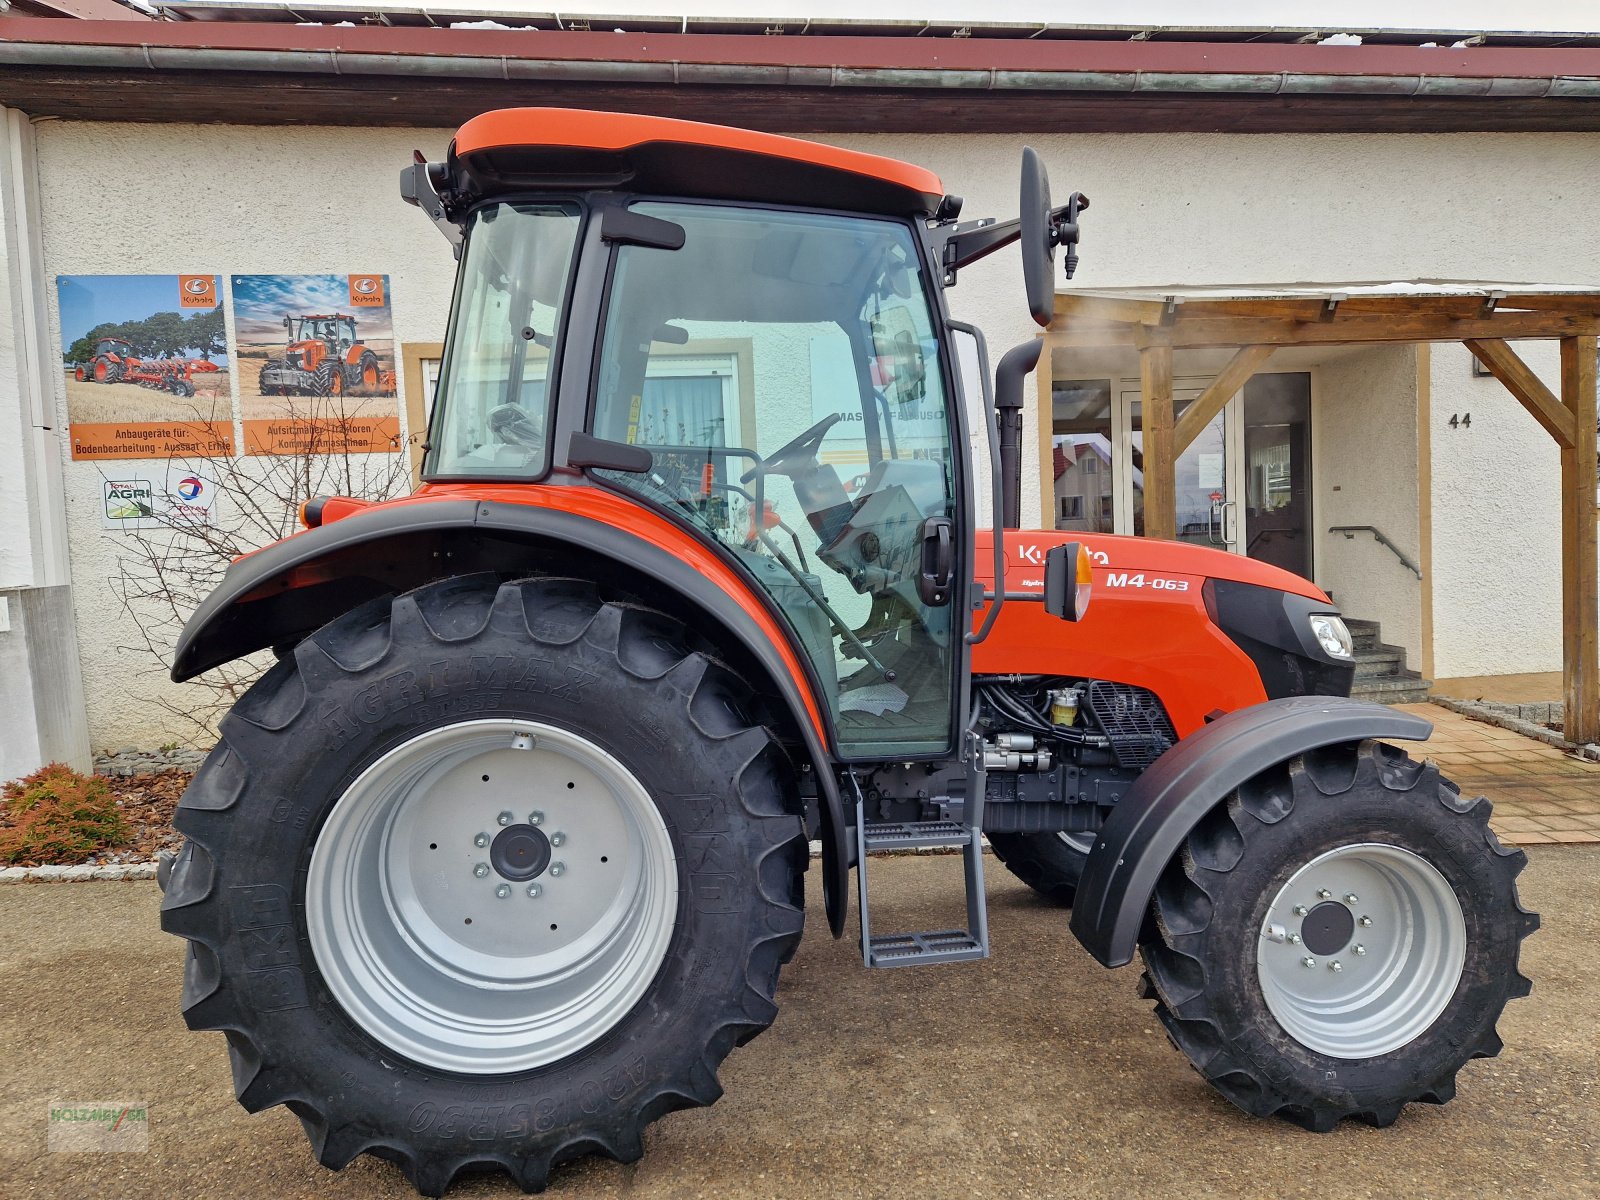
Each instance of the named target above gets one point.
<point>481,870</point>
<point>1336,965</point>
<point>558,869</point>
<point>1324,894</point>
<point>1351,898</point>
<point>504,818</point>
<point>1359,950</point>
<point>1365,922</point>
<point>558,839</point>
<point>481,840</point>
<point>1300,910</point>
<point>1294,939</point>
<point>534,889</point>
<point>503,890</point>
<point>1308,962</point>
<point>536,817</point>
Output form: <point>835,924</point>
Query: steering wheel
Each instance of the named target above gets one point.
<point>810,441</point>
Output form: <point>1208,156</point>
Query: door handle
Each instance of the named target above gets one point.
<point>938,561</point>
<point>1230,539</point>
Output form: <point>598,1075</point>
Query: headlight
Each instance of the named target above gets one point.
<point>1331,635</point>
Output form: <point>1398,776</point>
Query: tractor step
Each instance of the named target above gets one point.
<point>935,946</point>
<point>916,835</point>
<point>917,949</point>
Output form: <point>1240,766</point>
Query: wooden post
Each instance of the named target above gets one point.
<point>1160,465</point>
<point>1580,564</point>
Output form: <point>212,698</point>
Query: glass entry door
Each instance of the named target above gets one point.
<point>1243,485</point>
<point>1205,513</point>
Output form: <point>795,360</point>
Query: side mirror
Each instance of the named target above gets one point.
<point>1038,238</point>
<point>1068,581</point>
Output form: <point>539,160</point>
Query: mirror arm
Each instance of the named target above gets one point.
<point>979,239</point>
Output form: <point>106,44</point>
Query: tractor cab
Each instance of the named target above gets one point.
<point>315,336</point>
<point>746,334</point>
<point>114,347</point>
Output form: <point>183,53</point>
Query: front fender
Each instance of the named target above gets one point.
<point>1149,824</point>
<point>291,588</point>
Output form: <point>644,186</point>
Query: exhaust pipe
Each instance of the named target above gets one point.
<point>1014,368</point>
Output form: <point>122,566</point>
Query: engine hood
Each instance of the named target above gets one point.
<point>1026,549</point>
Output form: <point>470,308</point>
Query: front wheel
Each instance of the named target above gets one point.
<point>1338,938</point>
<point>488,875</point>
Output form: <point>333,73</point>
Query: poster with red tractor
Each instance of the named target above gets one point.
<point>146,365</point>
<point>316,364</point>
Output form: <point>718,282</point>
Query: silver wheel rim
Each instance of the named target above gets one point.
<point>475,970</point>
<point>1393,976</point>
<point>1078,843</point>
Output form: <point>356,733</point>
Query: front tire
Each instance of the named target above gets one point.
<point>1338,938</point>
<point>402,1000</point>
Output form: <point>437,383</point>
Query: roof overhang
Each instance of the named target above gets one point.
<point>275,73</point>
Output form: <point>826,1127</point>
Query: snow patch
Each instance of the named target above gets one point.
<point>1341,39</point>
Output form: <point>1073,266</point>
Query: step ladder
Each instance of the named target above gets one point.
<point>918,949</point>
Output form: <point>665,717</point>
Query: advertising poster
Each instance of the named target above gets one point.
<point>146,362</point>
<point>316,364</point>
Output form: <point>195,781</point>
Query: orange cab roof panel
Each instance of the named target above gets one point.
<point>533,149</point>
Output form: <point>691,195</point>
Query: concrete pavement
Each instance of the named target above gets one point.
<point>1035,1073</point>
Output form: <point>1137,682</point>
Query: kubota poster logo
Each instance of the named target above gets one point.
<point>197,291</point>
<point>366,291</point>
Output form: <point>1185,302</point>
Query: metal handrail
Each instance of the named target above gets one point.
<point>1350,532</point>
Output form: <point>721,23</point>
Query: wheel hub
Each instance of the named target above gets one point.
<point>1328,928</point>
<point>519,853</point>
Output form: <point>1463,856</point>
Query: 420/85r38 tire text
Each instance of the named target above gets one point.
<point>488,875</point>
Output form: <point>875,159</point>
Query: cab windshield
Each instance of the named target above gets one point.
<point>783,368</point>
<point>490,410</point>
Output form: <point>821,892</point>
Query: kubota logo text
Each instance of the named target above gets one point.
<point>366,290</point>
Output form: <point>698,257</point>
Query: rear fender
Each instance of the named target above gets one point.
<point>279,594</point>
<point>1149,824</point>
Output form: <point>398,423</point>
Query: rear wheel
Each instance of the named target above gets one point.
<point>492,877</point>
<point>1050,863</point>
<point>1338,939</point>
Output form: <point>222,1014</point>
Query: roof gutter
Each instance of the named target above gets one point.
<point>338,62</point>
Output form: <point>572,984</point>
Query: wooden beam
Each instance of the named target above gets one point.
<point>1209,403</point>
<point>1160,457</point>
<point>1072,306</point>
<point>1527,387</point>
<point>1193,332</point>
<point>1580,562</point>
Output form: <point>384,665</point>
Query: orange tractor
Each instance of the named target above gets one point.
<point>506,852</point>
<point>324,357</point>
<point>115,361</point>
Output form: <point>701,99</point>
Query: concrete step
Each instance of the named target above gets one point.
<point>1364,634</point>
<point>1380,663</point>
<point>1406,687</point>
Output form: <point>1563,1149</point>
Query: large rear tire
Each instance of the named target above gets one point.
<point>488,875</point>
<point>1338,938</point>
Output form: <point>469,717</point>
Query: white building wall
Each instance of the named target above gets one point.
<point>1364,472</point>
<point>1166,208</point>
<point>1496,522</point>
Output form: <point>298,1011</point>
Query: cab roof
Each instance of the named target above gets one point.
<point>535,149</point>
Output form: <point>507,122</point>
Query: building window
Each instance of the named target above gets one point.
<point>1072,508</point>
